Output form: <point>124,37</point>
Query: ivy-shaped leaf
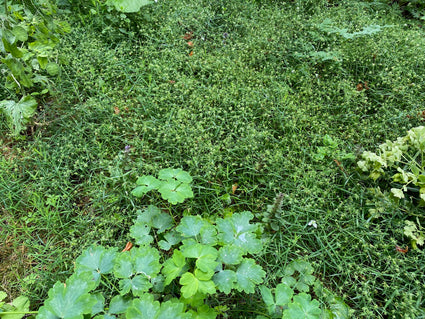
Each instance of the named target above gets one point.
<point>171,238</point>
<point>238,231</point>
<point>303,308</point>
<point>138,285</point>
<point>225,280</point>
<point>249,275</point>
<point>146,307</point>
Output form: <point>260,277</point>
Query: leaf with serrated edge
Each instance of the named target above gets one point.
<point>190,226</point>
<point>146,261</point>
<point>192,284</point>
<point>249,275</point>
<point>238,231</point>
<point>173,267</point>
<point>119,304</point>
<point>143,308</point>
<point>208,235</point>
<point>230,255</point>
<point>303,307</point>
<point>140,232</point>
<point>283,294</point>
<point>178,174</point>
<point>225,280</point>
<point>123,267</point>
<point>70,300</point>
<point>172,309</point>
<point>97,259</point>
<point>205,256</point>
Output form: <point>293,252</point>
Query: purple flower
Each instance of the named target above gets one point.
<point>127,148</point>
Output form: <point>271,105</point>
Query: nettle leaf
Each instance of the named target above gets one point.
<point>146,184</point>
<point>230,255</point>
<point>128,6</point>
<point>196,283</point>
<point>70,300</point>
<point>97,259</point>
<point>174,267</point>
<point>206,256</point>
<point>175,174</point>
<point>190,226</point>
<point>302,307</point>
<point>238,231</point>
<point>175,191</point>
<point>19,114</point>
<point>141,233</point>
<point>249,275</point>
<point>225,280</point>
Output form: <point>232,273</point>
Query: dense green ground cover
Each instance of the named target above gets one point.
<point>269,95</point>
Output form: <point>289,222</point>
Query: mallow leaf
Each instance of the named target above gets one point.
<point>97,259</point>
<point>238,231</point>
<point>128,6</point>
<point>303,307</point>
<point>206,256</point>
<point>70,300</point>
<point>175,191</point>
<point>249,275</point>
<point>145,184</point>
<point>225,280</point>
<point>174,267</point>
<point>141,233</point>
<point>119,304</point>
<point>190,226</point>
<point>196,283</point>
<point>175,174</point>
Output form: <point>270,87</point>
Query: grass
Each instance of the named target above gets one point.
<point>250,106</point>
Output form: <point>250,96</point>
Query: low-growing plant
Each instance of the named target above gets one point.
<point>292,298</point>
<point>29,36</point>
<point>402,161</point>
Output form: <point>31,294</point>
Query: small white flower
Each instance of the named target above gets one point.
<point>312,223</point>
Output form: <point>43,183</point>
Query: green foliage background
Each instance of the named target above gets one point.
<point>251,106</point>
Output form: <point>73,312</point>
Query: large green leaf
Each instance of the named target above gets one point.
<point>249,275</point>
<point>175,191</point>
<point>196,283</point>
<point>225,280</point>
<point>190,226</point>
<point>146,183</point>
<point>97,259</point>
<point>70,300</point>
<point>206,256</point>
<point>19,114</point>
<point>174,267</point>
<point>128,6</point>
<point>175,174</point>
<point>238,231</point>
<point>303,308</point>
